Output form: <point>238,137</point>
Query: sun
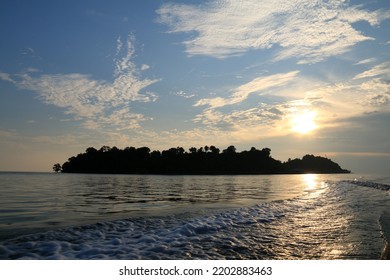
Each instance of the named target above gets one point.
<point>304,122</point>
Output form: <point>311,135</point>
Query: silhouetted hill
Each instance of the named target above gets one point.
<point>206,160</point>
<point>313,164</point>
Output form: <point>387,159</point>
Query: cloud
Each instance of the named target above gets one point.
<point>379,100</point>
<point>375,84</point>
<point>310,30</point>
<point>144,67</point>
<point>242,92</point>
<point>366,61</point>
<point>27,51</point>
<point>6,77</point>
<point>119,45</point>
<point>261,115</point>
<point>184,94</point>
<point>246,121</point>
<point>97,103</point>
<point>382,69</point>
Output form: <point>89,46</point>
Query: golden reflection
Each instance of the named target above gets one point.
<point>313,184</point>
<point>311,181</point>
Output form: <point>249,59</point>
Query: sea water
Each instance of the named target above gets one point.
<point>87,216</point>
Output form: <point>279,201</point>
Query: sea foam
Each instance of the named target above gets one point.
<point>146,238</point>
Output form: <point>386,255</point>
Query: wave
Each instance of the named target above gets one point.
<point>370,184</point>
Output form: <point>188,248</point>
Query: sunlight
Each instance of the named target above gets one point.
<point>313,184</point>
<point>311,181</point>
<point>304,122</point>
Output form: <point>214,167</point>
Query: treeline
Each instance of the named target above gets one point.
<point>208,160</point>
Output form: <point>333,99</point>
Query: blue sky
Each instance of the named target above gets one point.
<point>298,76</point>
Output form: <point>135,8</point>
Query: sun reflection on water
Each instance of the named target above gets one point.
<point>311,181</point>
<point>313,184</point>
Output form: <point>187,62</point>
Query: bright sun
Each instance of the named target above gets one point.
<point>304,122</point>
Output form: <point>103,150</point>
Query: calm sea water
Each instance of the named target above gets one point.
<point>85,216</point>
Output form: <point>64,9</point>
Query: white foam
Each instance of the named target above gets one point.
<point>146,238</point>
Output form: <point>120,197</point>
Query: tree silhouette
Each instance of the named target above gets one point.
<point>105,149</point>
<point>214,150</point>
<point>57,167</point>
<point>230,150</point>
<point>203,160</point>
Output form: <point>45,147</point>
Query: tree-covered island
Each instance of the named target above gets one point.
<point>208,160</point>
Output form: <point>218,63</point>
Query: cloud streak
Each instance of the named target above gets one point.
<point>310,30</point>
<point>382,69</point>
<point>242,92</point>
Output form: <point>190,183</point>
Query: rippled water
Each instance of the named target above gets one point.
<point>35,201</point>
<point>192,217</point>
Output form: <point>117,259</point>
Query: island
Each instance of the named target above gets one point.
<point>208,160</point>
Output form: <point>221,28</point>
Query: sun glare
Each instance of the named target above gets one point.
<point>310,180</point>
<point>304,122</point>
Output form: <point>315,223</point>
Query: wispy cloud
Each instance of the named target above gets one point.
<point>305,29</point>
<point>97,103</point>
<point>255,86</point>
<point>374,82</point>
<point>6,77</point>
<point>119,45</point>
<point>260,115</point>
<point>366,61</point>
<point>27,51</point>
<point>382,69</point>
<point>144,67</point>
<point>184,94</point>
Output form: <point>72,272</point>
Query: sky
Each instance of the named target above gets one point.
<point>299,77</point>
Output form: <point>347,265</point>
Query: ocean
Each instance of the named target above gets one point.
<point>89,216</point>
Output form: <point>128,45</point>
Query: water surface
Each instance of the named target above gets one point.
<point>85,216</point>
